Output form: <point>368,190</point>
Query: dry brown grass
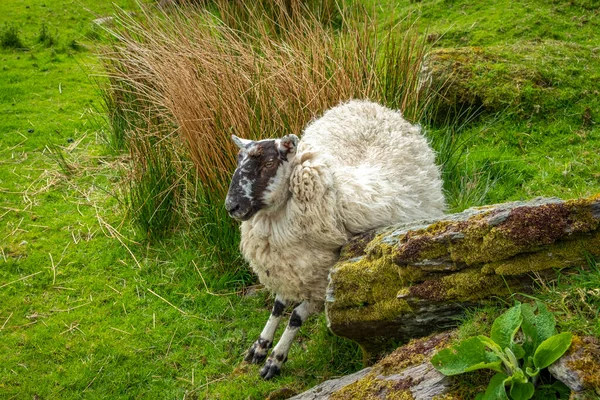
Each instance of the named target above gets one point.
<point>184,75</point>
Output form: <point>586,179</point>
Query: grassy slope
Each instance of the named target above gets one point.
<point>543,76</point>
<point>94,329</point>
<point>91,327</point>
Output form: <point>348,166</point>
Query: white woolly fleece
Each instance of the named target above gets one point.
<point>358,167</point>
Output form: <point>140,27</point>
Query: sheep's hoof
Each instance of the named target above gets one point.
<point>258,352</point>
<point>270,370</point>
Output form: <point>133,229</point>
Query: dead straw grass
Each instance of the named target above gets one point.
<point>183,79</point>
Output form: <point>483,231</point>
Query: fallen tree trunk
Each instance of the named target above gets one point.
<point>407,373</point>
<point>410,280</point>
<point>404,374</point>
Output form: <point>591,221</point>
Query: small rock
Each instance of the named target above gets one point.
<point>579,369</point>
<point>252,290</point>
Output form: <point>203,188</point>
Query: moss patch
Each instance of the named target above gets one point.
<point>497,78</point>
<point>356,247</point>
<point>587,362</point>
<point>412,353</point>
<point>370,388</point>
<point>563,254</point>
<point>498,235</point>
<point>375,386</point>
<point>473,285</point>
<point>366,290</point>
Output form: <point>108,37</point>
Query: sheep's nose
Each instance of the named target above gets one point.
<point>231,210</point>
<point>231,206</point>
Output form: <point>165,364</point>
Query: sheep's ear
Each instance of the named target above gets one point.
<point>241,143</point>
<point>287,145</point>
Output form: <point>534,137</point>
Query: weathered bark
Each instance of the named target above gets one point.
<point>410,280</point>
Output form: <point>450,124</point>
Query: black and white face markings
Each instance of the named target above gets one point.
<point>257,166</point>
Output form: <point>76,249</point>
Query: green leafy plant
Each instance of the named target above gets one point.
<point>522,342</point>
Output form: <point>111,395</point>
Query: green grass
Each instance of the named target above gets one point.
<point>531,67</point>
<point>90,309</point>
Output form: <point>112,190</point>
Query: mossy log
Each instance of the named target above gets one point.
<point>404,374</point>
<point>410,280</point>
<point>407,373</point>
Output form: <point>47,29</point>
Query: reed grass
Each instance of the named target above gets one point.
<point>183,79</point>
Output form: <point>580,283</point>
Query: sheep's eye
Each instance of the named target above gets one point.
<point>268,164</point>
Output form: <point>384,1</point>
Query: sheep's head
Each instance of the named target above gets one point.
<point>260,180</point>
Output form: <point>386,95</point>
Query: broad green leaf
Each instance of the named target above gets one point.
<point>552,349</point>
<point>496,389</point>
<point>538,325</point>
<point>521,391</point>
<point>468,355</point>
<point>490,344</point>
<point>506,326</point>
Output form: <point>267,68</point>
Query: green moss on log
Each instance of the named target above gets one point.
<point>366,289</point>
<point>371,388</point>
<point>374,384</point>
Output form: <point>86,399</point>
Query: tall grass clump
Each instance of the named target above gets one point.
<point>9,37</point>
<point>45,37</point>
<point>194,75</point>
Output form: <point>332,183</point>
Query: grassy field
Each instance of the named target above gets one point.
<point>86,311</point>
<point>89,309</point>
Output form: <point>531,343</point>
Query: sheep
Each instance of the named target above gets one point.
<point>360,166</point>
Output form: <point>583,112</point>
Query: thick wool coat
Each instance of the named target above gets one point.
<point>358,167</point>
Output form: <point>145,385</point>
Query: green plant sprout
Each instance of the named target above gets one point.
<point>517,358</point>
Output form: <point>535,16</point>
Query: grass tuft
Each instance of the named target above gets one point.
<point>9,37</point>
<point>57,154</point>
<point>154,187</point>
<point>45,37</point>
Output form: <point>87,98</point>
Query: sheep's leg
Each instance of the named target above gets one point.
<point>258,352</point>
<point>279,355</point>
